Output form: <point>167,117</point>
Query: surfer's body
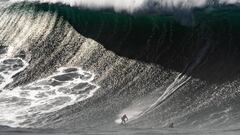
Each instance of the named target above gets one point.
<point>124,118</point>
<point>171,125</point>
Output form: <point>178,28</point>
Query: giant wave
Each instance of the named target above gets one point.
<point>153,67</point>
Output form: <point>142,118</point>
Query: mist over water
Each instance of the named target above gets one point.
<point>64,64</point>
<point>132,6</point>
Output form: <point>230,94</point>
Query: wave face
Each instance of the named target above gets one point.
<point>75,67</point>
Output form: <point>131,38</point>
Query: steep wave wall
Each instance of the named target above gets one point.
<point>155,68</point>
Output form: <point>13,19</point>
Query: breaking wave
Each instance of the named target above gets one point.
<point>136,5</point>
<point>71,66</point>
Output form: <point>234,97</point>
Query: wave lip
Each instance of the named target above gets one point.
<point>139,5</point>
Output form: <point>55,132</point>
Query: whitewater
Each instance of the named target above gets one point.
<point>77,66</point>
<point>135,5</point>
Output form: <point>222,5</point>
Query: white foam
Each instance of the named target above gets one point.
<point>133,5</point>
<point>7,71</point>
<point>21,106</point>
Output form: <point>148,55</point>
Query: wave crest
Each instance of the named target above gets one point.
<point>138,5</point>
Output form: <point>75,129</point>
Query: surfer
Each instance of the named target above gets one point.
<point>171,125</point>
<point>124,118</point>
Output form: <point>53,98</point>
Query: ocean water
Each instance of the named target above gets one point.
<point>120,131</point>
<point>77,66</point>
